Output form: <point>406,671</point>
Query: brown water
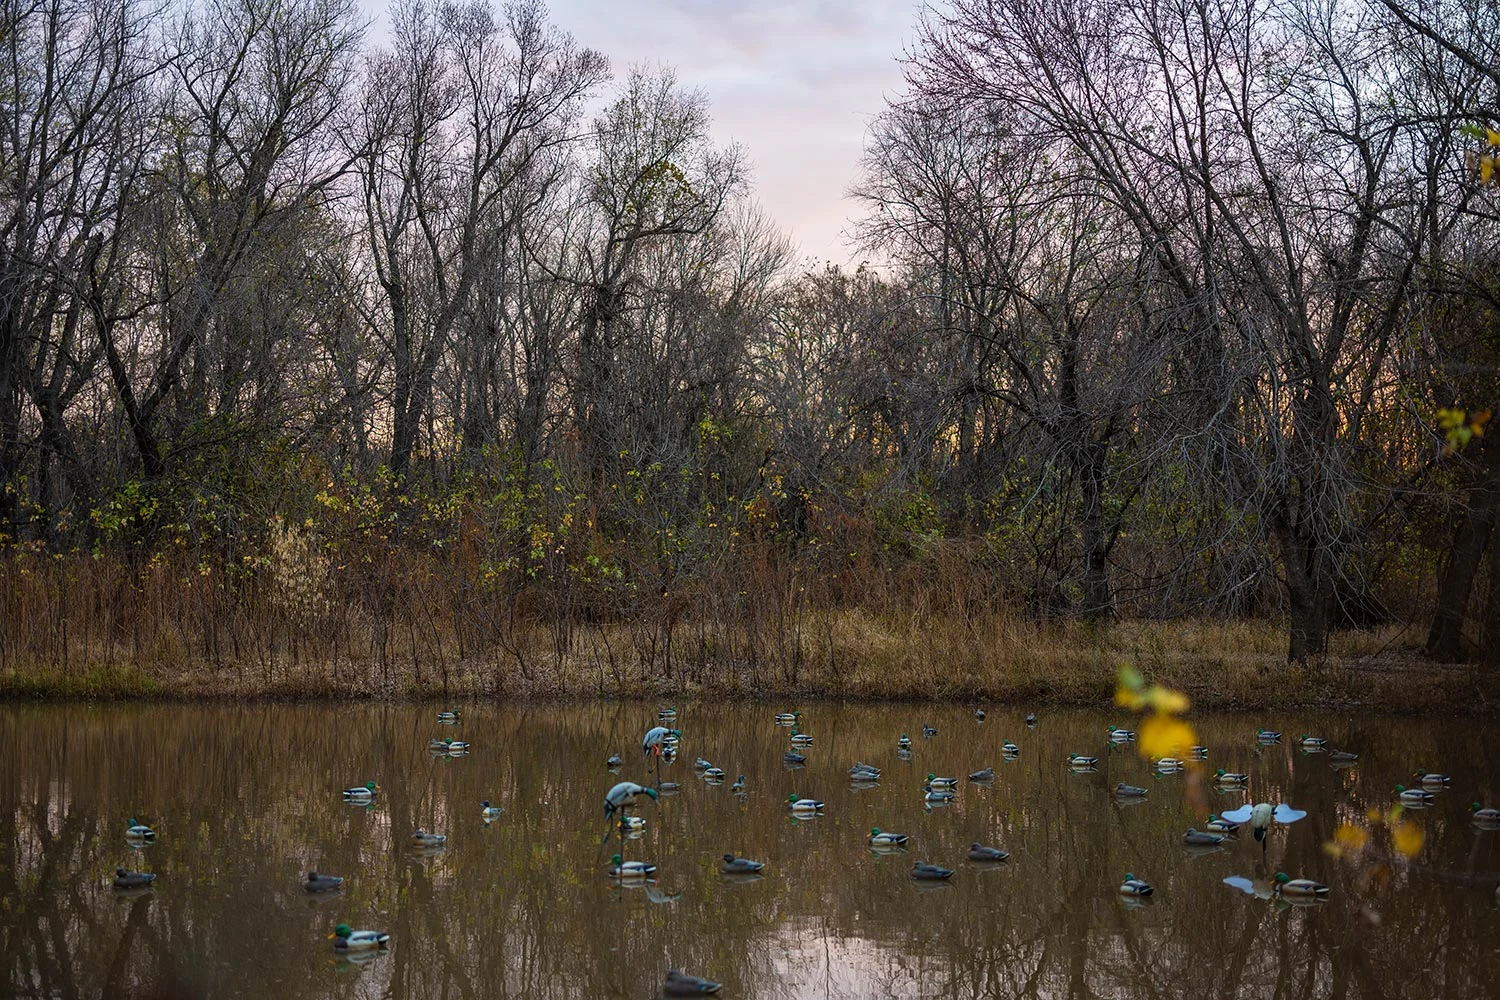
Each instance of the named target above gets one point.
<point>245,800</point>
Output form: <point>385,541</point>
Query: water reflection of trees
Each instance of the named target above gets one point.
<point>246,799</point>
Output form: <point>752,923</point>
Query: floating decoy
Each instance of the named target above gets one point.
<point>1218,824</point>
<point>1260,817</point>
<point>714,774</point>
<point>788,718</point>
<point>1342,757</point>
<point>623,795</point>
<point>362,793</point>
<point>1198,753</point>
<point>1120,735</point>
<point>923,870</point>
<point>978,715</point>
<point>668,787</point>
<point>1311,742</point>
<point>437,744</point>
<point>447,718</point>
<point>1431,780</point>
<point>903,753</point>
<point>630,869</point>
<point>614,761</point>
<point>1230,779</point>
<point>1009,749</point>
<point>801,739</point>
<point>1079,760</point>
<point>1414,796</point>
<point>456,746</point>
<point>1125,791</point>
<point>1267,736</point>
<point>703,763</point>
<point>345,939</point>
<point>139,832</point>
<point>135,880</point>
<point>1482,815</point>
<point>740,866</point>
<point>421,838</point>
<point>322,883</point>
<point>1030,718</point>
<point>488,812</point>
<point>904,742</point>
<point>928,732</point>
<point>803,805</point>
<point>739,785</point>
<point>883,838</point>
<point>861,768</point>
<point>667,714</point>
<point>1169,765</point>
<point>1285,885</point>
<point>793,757</point>
<point>979,852</point>
<point>1133,886</point>
<point>680,984</point>
<point>937,782</point>
<point>931,794</point>
<point>655,741</point>
<point>987,774</point>
<point>1199,838</point>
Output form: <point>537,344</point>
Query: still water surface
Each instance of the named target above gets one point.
<point>245,800</point>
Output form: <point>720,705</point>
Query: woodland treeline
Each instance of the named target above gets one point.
<point>1182,309</point>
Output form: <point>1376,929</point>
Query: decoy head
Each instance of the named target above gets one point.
<point>874,831</point>
<point>134,821</point>
<point>1400,788</point>
<point>1474,807</point>
<point>930,777</point>
<point>1282,877</point>
<point>119,873</point>
<point>792,797</point>
<point>485,804</point>
<point>1219,773</point>
<point>1130,876</point>
<point>728,858</point>
<point>615,860</point>
<point>342,931</point>
<point>650,792</point>
<point>370,785</point>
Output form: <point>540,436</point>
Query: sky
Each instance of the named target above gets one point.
<point>795,82</point>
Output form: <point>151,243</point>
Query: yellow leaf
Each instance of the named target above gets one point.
<point>1163,735</point>
<point>1486,169</point>
<point>1493,137</point>
<point>1350,837</point>
<point>1164,699</point>
<point>1126,698</point>
<point>1407,838</point>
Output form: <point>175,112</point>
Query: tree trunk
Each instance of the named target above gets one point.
<point>1307,591</point>
<point>1476,530</point>
<point>1098,602</point>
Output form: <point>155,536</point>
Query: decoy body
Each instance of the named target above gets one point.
<point>1430,780</point>
<point>884,838</point>
<point>345,939</point>
<point>1125,791</point>
<point>322,883</point>
<point>630,869</point>
<point>979,852</point>
<point>624,794</point>
<point>923,870</point>
<point>1414,796</point>
<point>362,793</point>
<point>988,774</point>
<point>488,812</point>
<point>804,806</point>
<point>135,880</point>
<point>1133,886</point>
<point>139,832</point>
<point>1199,838</point>
<point>1079,760</point>
<point>421,838</point>
<point>740,866</point>
<point>1285,885</point>
<point>680,984</point>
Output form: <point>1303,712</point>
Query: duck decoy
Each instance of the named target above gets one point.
<point>1430,780</point>
<point>702,764</point>
<point>931,794</point>
<point>1009,749</point>
<point>714,775</point>
<point>1218,824</point>
<point>322,883</point>
<point>1482,815</point>
<point>138,832</point>
<point>861,770</point>
<point>456,747</point>
<point>923,870</point>
<point>1199,838</point>
<point>740,866</point>
<point>794,758</point>
<point>1307,742</point>
<point>628,822</point>
<point>979,852</point>
<point>1076,760</point>
<point>447,718</point>
<point>437,744</point>
<point>667,714</point>
<point>978,715</point>
<point>904,742</point>
<point>1198,753</point>
<point>1260,817</point>
<point>1267,736</point>
<point>630,869</point>
<point>613,761</point>
<point>1342,757</point>
<point>987,774</point>
<point>135,880</point>
<point>1120,735</point>
<point>668,787</point>
<point>738,787</point>
<point>655,741</point>
<point>1125,791</point>
<point>421,838</point>
<point>1414,796</point>
<point>884,838</point>
<point>803,806</point>
<point>489,813</point>
<point>623,795</point>
<point>680,984</point>
<point>788,718</point>
<point>1229,779</point>
<point>1169,765</point>
<point>1285,885</point>
<point>936,782</point>
<point>362,793</point>
<point>928,732</point>
<point>345,939</point>
<point>1133,886</point>
<point>800,739</point>
<point>1030,719</point>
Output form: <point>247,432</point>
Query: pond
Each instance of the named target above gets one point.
<point>245,800</point>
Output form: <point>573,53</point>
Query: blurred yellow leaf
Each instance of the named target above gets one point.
<point>1493,137</point>
<point>1350,837</point>
<point>1164,699</point>
<point>1127,698</point>
<point>1486,169</point>
<point>1407,838</point>
<point>1163,735</point>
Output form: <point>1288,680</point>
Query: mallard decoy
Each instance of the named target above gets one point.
<point>1125,791</point>
<point>1030,719</point>
<point>421,838</point>
<point>800,739</point>
<point>667,714</point>
<point>978,715</point>
<point>489,813</point>
<point>1414,796</point>
<point>447,718</point>
<point>613,761</point>
<point>1199,838</point>
<point>1120,735</point>
<point>1009,749</point>
<point>738,787</point>
<point>714,775</point>
<point>1342,757</point>
<point>793,757</point>
<point>740,866</point>
<point>883,838</point>
<point>1169,765</point>
<point>437,744</point>
<point>668,787</point>
<point>928,732</point>
<point>923,870</point>
<point>1311,742</point>
<point>362,793</point>
<point>937,782</point>
<point>1229,779</point>
<point>345,939</point>
<point>1261,815</point>
<point>1218,824</point>
<point>803,806</point>
<point>1198,753</point>
<point>1079,760</point>
<point>1482,815</point>
<point>702,763</point>
<point>623,795</point>
<point>680,984</point>
<point>931,794</point>
<point>630,869</point>
<point>135,880</point>
<point>863,770</point>
<point>987,774</point>
<point>903,753</point>
<point>322,883</point>
<point>1430,780</point>
<point>1285,885</point>
<point>904,742</point>
<point>979,852</point>
<point>456,746</point>
<point>1133,886</point>
<point>138,832</point>
<point>1267,736</point>
<point>788,718</point>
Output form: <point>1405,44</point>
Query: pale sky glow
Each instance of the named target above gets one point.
<point>794,83</point>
